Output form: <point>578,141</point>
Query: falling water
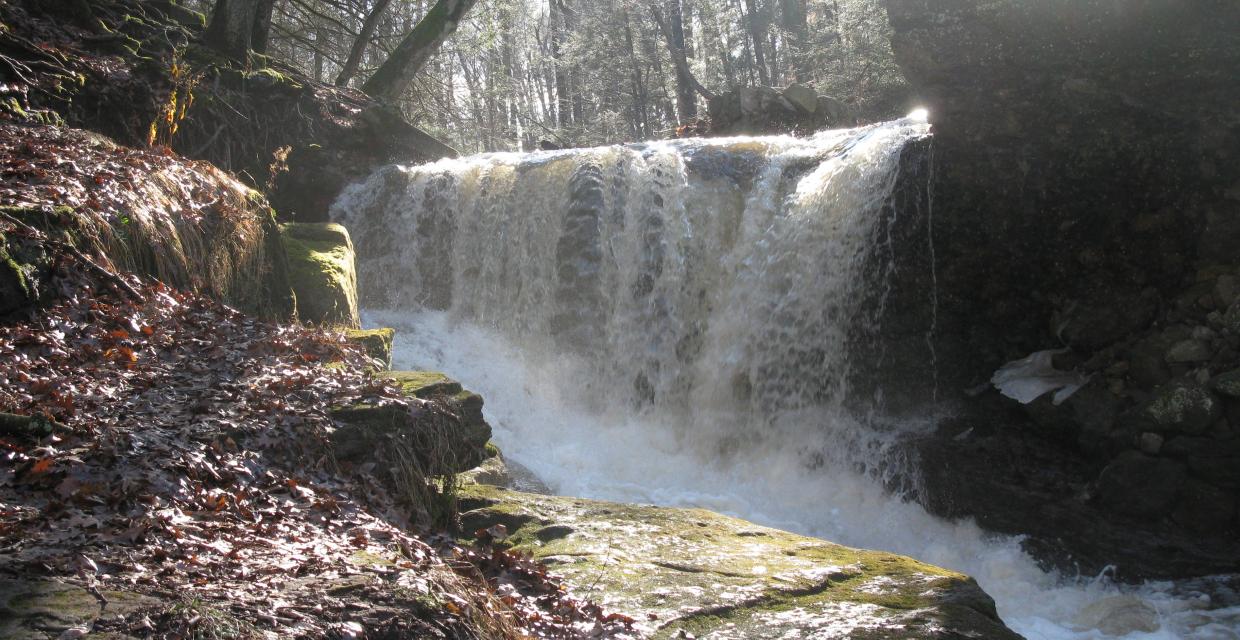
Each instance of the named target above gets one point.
<point>695,323</point>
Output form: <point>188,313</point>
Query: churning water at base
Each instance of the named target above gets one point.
<point>678,323</point>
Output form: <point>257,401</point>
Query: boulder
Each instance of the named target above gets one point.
<point>322,273</point>
<point>1141,486</point>
<point>1227,384</point>
<point>1118,616</point>
<point>1189,352</point>
<point>1214,461</point>
<point>444,443</point>
<point>693,573</point>
<point>1231,318</point>
<point>1182,407</point>
<point>802,97</point>
<point>39,608</point>
<point>376,342</point>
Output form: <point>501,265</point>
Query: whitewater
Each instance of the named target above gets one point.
<point>678,323</point>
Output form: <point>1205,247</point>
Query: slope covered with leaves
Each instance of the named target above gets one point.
<point>181,450</point>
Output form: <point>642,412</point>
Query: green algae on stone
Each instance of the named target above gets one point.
<point>713,576</point>
<point>376,342</point>
<point>44,608</point>
<point>322,273</point>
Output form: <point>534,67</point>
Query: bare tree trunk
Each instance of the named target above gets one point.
<point>232,27</point>
<point>686,101</point>
<point>757,35</point>
<point>359,45</point>
<point>559,30</point>
<point>641,119</point>
<point>395,74</point>
<point>712,35</point>
<point>261,31</point>
<point>794,17</point>
<point>686,83</point>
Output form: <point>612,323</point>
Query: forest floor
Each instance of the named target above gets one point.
<point>166,465</point>
<point>179,466</point>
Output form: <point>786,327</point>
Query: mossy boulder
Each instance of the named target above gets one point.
<point>14,281</point>
<point>322,273</point>
<point>376,342</point>
<point>41,608</point>
<point>453,446</point>
<point>706,575</point>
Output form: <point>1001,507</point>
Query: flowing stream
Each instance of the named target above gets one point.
<point>683,323</point>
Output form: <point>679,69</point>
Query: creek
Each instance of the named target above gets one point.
<point>692,323</point>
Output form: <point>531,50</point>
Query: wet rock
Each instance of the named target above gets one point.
<point>1094,409</point>
<point>1204,508</point>
<point>1182,407</point>
<point>1106,316</point>
<point>1227,384</point>
<point>1188,351</point>
<point>1138,485</point>
<point>700,573</point>
<point>1151,443</point>
<point>1226,290</point>
<point>1118,616</point>
<point>1231,319</point>
<point>1215,461</point>
<point>1147,362</point>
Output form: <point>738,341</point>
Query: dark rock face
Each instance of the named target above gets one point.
<point>1087,150</point>
<point>1087,195</point>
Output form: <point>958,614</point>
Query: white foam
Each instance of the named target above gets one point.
<point>712,291</point>
<point>547,421</point>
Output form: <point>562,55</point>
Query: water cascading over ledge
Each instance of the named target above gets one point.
<point>736,283</point>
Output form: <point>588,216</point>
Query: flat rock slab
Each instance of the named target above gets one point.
<point>712,576</point>
<point>41,608</point>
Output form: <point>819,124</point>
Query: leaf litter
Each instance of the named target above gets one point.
<point>192,462</point>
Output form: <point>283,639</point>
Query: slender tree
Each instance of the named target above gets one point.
<point>364,36</point>
<point>413,52</point>
<point>686,83</point>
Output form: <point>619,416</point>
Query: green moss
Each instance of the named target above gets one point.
<point>702,572</point>
<point>321,272</point>
<point>424,384</point>
<point>31,607</point>
<point>376,342</point>
<point>267,74</point>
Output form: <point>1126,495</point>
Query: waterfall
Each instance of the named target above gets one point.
<point>741,324</point>
<point>725,280</point>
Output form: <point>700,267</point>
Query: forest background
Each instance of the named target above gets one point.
<point>517,73</point>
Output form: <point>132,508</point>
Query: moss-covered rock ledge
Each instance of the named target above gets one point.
<point>322,274</point>
<point>694,573</point>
